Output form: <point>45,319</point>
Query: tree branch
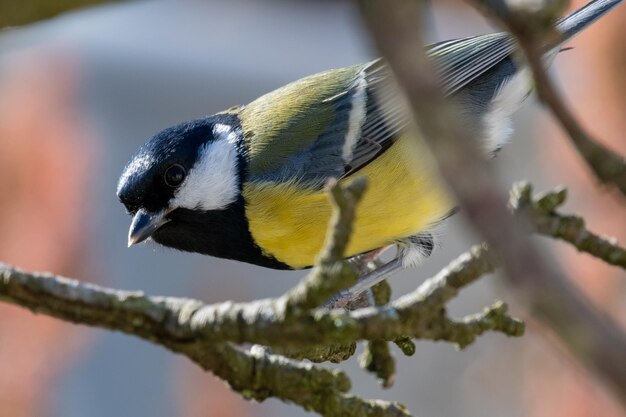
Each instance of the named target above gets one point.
<point>377,357</point>
<point>204,333</point>
<point>592,337</point>
<point>180,320</point>
<point>167,321</point>
<point>571,229</point>
<point>463,333</point>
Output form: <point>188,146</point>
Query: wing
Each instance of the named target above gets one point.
<point>334,123</point>
<point>460,61</point>
<point>298,130</point>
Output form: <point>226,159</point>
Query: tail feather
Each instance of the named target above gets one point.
<point>576,22</point>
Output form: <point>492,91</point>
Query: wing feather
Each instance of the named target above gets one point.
<point>336,149</point>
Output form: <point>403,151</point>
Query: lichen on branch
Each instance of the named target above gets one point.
<point>292,324</point>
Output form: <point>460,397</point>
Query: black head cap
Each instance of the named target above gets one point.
<point>150,178</point>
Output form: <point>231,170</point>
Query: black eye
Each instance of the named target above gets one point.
<point>174,175</point>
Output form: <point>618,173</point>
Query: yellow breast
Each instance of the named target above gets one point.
<point>404,197</point>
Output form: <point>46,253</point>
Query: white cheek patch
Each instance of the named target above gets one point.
<point>212,183</point>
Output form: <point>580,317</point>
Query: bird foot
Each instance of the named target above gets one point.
<point>360,294</point>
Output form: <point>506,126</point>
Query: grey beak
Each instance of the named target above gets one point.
<point>144,224</point>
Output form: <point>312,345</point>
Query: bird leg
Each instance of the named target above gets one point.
<point>411,251</point>
<point>372,278</point>
<point>360,295</point>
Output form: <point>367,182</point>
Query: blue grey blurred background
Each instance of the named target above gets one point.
<point>137,67</point>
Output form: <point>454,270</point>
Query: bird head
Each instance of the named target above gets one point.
<point>188,168</point>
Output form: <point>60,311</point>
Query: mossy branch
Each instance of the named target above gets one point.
<point>546,221</point>
<point>263,322</point>
<point>207,334</point>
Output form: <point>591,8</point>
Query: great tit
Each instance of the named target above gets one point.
<point>248,183</point>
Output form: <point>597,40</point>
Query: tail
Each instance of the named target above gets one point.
<point>576,22</point>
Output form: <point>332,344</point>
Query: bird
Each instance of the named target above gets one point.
<point>248,183</point>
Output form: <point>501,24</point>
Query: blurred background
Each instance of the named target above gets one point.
<point>80,92</point>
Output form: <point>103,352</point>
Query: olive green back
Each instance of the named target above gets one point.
<point>286,121</point>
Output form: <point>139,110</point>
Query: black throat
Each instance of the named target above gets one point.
<point>220,233</point>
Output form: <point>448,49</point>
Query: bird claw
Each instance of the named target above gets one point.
<point>348,301</point>
<point>360,295</point>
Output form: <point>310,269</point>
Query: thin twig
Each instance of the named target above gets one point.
<point>541,211</point>
<point>609,167</point>
<point>465,331</point>
<point>331,273</point>
<point>376,357</point>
